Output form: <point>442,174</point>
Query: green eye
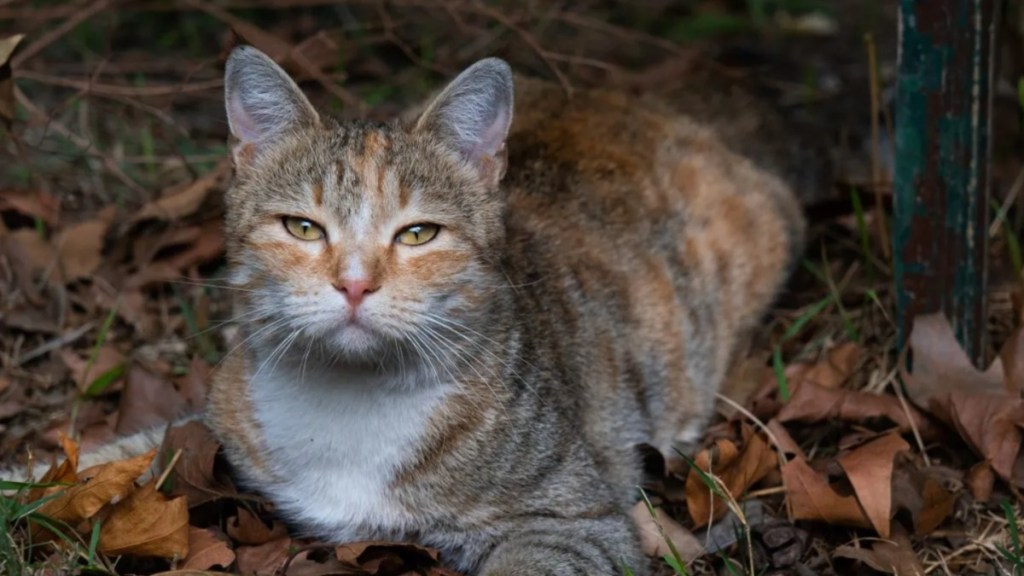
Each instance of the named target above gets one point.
<point>417,234</point>
<point>303,229</point>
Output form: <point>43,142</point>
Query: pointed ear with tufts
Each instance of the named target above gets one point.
<point>473,114</point>
<point>263,103</point>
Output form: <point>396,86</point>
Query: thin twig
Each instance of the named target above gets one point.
<point>56,343</point>
<point>529,40</point>
<point>118,91</point>
<point>1011,197</point>
<point>76,17</point>
<point>81,143</point>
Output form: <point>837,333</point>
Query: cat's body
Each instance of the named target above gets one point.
<point>483,391</point>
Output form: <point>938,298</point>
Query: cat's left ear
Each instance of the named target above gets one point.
<point>473,114</point>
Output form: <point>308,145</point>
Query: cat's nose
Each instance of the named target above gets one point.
<point>355,290</point>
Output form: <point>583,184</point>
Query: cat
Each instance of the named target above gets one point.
<point>457,328</point>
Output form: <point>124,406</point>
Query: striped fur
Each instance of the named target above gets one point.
<point>594,275</point>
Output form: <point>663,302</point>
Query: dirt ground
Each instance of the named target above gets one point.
<point>113,314</point>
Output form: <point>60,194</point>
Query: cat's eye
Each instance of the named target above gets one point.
<point>417,234</point>
<point>303,229</point>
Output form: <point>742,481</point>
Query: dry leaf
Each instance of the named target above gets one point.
<point>107,358</point>
<point>813,403</point>
<point>80,246</point>
<point>263,560</point>
<point>148,400</point>
<point>385,558</point>
<point>207,547</point>
<point>810,496</point>
<point>980,481</point>
<point>249,529</point>
<point>835,368</point>
<point>97,487</point>
<point>869,469</point>
<point>147,523</point>
<point>941,366</point>
<point>652,541</point>
<point>890,557</point>
<point>7,47</point>
<point>192,476</point>
<point>738,469</point>
<point>32,203</point>
<point>183,200</point>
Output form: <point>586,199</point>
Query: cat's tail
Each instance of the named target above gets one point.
<point>119,449</point>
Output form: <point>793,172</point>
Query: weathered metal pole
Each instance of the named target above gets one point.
<point>941,180</point>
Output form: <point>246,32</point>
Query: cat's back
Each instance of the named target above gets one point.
<point>645,248</point>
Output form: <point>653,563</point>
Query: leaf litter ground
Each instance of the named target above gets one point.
<point>829,456</point>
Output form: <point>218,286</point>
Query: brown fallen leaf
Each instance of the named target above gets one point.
<point>64,473</point>
<point>207,547</point>
<point>7,47</point>
<point>80,247</point>
<point>836,367</point>
<point>980,481</point>
<point>108,358</point>
<point>737,468</point>
<point>921,494</point>
<point>184,199</point>
<point>147,523</point>
<point>941,366</point>
<point>653,541</point>
<point>251,530</point>
<point>31,203</point>
<point>148,400</point>
<point>869,469</point>
<point>192,476</point>
<point>811,403</point>
<point>895,557</point>
<point>385,558</point>
<point>810,496</point>
<point>96,487</point>
<point>263,560</point>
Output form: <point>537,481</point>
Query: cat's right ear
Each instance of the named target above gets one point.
<point>263,103</point>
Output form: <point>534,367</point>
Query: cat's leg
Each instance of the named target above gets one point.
<point>548,546</point>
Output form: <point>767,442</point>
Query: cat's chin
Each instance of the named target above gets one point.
<point>359,343</point>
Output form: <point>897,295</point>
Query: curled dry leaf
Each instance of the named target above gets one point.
<point>810,496</point>
<point>869,469</point>
<point>653,541</point>
<point>183,200</point>
<point>147,523</point>
<point>96,487</point>
<point>737,468</point>
<point>207,547</point>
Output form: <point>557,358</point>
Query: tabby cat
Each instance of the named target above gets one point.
<point>458,328</point>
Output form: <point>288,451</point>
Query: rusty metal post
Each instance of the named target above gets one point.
<point>941,180</point>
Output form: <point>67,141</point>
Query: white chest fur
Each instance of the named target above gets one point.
<point>337,440</point>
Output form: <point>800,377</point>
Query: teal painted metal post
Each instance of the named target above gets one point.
<point>941,180</point>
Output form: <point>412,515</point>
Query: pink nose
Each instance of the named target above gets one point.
<point>355,290</point>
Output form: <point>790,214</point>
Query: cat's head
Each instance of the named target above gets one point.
<point>357,239</point>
